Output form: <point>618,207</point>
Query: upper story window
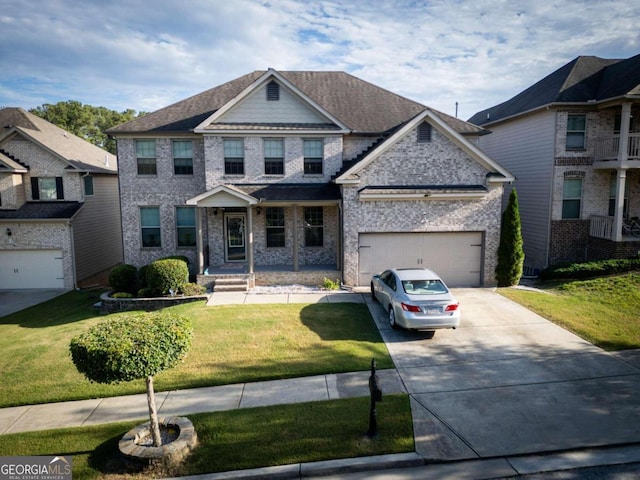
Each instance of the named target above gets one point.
<point>571,197</point>
<point>146,157</point>
<point>273,91</point>
<point>424,132</point>
<point>274,219</point>
<point>314,227</point>
<point>186,226</point>
<point>87,182</point>
<point>313,152</point>
<point>233,156</point>
<point>183,157</point>
<point>150,227</point>
<point>576,132</point>
<point>273,156</point>
<point>47,188</point>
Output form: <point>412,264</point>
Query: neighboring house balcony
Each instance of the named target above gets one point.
<point>607,152</point>
<point>606,241</point>
<point>602,226</point>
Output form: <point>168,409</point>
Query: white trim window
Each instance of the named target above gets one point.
<point>233,156</point>
<point>313,227</point>
<point>186,226</point>
<point>571,197</point>
<point>146,157</point>
<point>313,155</point>
<point>182,157</point>
<point>273,156</point>
<point>576,132</point>
<point>150,227</point>
<point>274,220</point>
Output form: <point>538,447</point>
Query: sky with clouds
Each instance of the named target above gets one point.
<point>144,55</point>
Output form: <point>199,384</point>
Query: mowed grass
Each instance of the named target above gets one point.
<point>239,439</point>
<point>605,311</point>
<point>231,344</point>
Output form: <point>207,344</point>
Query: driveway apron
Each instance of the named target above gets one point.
<point>509,382</point>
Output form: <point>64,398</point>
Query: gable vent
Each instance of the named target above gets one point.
<point>424,132</point>
<point>273,91</point>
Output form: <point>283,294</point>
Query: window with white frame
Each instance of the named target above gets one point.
<point>576,132</point>
<point>47,188</point>
<point>150,227</point>
<point>273,156</point>
<point>274,221</point>
<point>186,226</point>
<point>146,157</point>
<point>88,185</point>
<point>313,151</point>
<point>313,227</point>
<point>233,156</point>
<point>183,157</point>
<point>571,197</point>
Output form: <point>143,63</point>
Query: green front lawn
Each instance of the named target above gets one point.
<point>605,311</point>
<point>239,439</point>
<point>231,344</point>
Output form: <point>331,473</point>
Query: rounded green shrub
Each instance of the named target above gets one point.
<point>124,278</point>
<point>147,292</point>
<point>190,289</point>
<point>121,295</point>
<point>166,276</point>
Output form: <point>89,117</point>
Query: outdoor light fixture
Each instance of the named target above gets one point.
<point>258,210</point>
<point>8,232</point>
<point>215,211</point>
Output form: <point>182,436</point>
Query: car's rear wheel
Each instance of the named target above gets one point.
<point>392,318</point>
<point>429,334</point>
<point>373,293</point>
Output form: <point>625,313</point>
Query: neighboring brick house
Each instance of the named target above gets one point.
<point>59,207</point>
<point>573,145</point>
<point>289,177</point>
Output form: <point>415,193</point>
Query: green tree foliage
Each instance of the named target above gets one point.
<point>124,278</point>
<point>133,346</point>
<point>510,252</point>
<point>85,121</point>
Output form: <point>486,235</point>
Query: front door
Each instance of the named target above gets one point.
<point>235,237</point>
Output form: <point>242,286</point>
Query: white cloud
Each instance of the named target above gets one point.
<point>144,56</point>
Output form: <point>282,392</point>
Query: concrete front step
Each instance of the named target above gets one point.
<point>231,284</point>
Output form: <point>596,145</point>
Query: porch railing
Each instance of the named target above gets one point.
<point>601,227</point>
<point>607,147</point>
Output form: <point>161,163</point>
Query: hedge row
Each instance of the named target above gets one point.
<point>166,276</point>
<point>590,269</point>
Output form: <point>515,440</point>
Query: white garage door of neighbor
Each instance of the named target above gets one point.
<point>31,269</point>
<point>455,256</point>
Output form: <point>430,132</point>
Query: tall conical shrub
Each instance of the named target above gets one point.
<point>510,252</point>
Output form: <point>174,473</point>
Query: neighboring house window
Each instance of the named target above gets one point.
<point>313,155</point>
<point>47,188</point>
<point>576,132</point>
<point>146,157</point>
<point>571,197</point>
<point>88,185</point>
<point>273,156</point>
<point>273,91</point>
<point>613,189</point>
<point>424,133</point>
<point>150,226</point>
<point>233,156</point>
<point>183,157</point>
<point>186,226</point>
<point>274,219</point>
<point>313,227</point>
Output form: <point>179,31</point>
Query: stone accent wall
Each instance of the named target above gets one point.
<point>568,241</point>
<point>439,162</point>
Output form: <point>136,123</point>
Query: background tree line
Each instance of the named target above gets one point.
<point>86,121</point>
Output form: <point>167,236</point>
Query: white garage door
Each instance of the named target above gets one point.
<point>31,269</point>
<point>455,256</point>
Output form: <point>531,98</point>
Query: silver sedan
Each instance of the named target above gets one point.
<point>416,299</point>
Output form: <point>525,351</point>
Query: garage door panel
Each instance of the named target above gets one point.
<point>31,269</point>
<point>456,256</point>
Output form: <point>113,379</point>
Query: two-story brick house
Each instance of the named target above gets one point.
<point>289,177</point>
<point>573,145</point>
<point>59,205</point>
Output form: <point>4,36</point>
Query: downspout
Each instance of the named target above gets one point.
<point>73,255</point>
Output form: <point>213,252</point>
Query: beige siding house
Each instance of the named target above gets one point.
<point>291,177</point>
<point>573,144</point>
<point>59,206</point>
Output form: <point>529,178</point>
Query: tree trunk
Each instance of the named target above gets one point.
<point>153,414</point>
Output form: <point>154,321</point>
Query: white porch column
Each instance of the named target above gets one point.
<point>621,179</point>
<point>199,241</point>
<point>295,238</point>
<point>250,229</point>
<point>625,122</point>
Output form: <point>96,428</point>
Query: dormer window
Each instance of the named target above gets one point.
<point>273,91</point>
<point>424,132</point>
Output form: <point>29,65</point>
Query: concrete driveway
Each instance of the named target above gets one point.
<point>12,301</point>
<point>509,382</point>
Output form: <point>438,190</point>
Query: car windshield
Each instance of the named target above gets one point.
<point>424,287</point>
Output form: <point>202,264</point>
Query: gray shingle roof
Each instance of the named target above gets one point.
<point>42,211</point>
<point>290,192</point>
<point>78,152</point>
<point>361,106</point>
<point>584,79</point>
